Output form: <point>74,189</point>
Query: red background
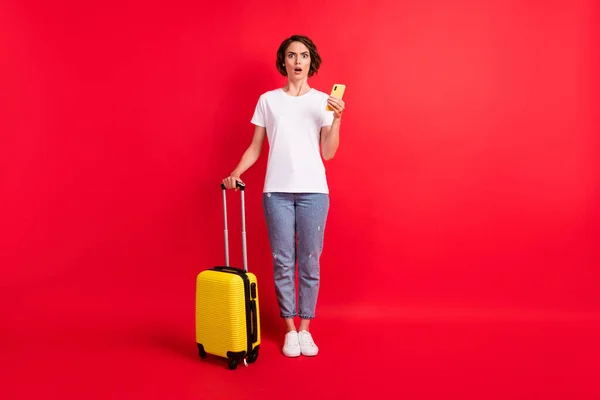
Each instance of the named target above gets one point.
<point>462,242</point>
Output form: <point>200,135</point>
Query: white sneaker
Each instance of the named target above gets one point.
<point>291,346</point>
<point>307,345</point>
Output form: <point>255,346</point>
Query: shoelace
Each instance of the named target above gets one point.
<point>288,340</point>
<point>307,339</point>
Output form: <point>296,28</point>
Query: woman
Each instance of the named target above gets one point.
<point>295,194</point>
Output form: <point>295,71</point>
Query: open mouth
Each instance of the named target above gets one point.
<point>297,69</point>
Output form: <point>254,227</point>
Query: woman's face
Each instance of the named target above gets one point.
<point>297,61</point>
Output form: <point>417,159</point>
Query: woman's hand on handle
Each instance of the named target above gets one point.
<point>231,182</point>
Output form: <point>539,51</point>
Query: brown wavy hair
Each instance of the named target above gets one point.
<point>315,58</point>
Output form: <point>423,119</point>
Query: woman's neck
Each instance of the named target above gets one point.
<point>296,88</point>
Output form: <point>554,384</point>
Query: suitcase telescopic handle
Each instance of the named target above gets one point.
<point>240,186</point>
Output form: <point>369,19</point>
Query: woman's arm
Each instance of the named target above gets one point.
<point>330,139</point>
<point>330,135</point>
<point>248,158</point>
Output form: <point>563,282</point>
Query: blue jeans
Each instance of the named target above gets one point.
<point>296,226</point>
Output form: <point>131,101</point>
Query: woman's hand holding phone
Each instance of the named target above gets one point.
<point>335,102</point>
<point>337,105</point>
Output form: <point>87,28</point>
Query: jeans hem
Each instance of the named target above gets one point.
<point>307,316</point>
<point>287,316</point>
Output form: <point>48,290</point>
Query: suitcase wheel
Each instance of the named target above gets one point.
<point>201,351</point>
<point>253,355</point>
<point>233,363</point>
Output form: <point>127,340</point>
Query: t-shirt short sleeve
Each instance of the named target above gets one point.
<point>326,116</point>
<point>259,113</point>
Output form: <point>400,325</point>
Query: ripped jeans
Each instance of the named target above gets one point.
<point>296,226</point>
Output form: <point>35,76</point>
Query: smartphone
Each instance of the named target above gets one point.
<point>337,91</point>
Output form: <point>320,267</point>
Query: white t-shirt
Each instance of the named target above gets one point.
<point>293,125</point>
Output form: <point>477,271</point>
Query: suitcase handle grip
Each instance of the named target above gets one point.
<point>240,185</point>
<point>254,321</point>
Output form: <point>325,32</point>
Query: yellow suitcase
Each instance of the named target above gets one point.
<point>227,310</point>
